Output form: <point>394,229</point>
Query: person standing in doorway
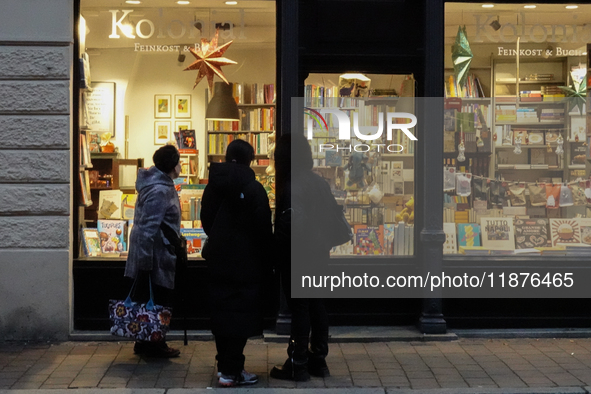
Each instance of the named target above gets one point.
<point>150,261</point>
<point>236,217</point>
<point>303,200</point>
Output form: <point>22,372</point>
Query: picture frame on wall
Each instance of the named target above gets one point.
<point>161,132</point>
<point>162,106</point>
<point>182,107</point>
<point>182,125</point>
<point>98,108</point>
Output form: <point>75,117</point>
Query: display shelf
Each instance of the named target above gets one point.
<point>262,155</point>
<point>530,169</point>
<point>255,105</point>
<point>251,116</point>
<point>553,145</point>
<point>499,82</point>
<point>528,123</point>
<point>239,131</point>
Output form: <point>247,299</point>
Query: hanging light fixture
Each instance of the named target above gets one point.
<point>222,105</point>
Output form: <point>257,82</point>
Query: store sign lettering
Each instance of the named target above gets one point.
<point>502,51</point>
<point>509,32</point>
<point>176,29</point>
<point>345,126</point>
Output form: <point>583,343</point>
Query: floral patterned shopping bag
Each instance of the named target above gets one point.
<point>145,322</point>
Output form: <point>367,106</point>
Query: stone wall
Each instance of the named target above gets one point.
<point>36,41</point>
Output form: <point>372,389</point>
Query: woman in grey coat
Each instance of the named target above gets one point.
<point>150,252</point>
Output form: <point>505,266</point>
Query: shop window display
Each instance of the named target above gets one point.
<point>516,146</point>
<point>139,90</point>
<point>371,178</point>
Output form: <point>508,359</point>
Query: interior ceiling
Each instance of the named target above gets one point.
<point>460,14</point>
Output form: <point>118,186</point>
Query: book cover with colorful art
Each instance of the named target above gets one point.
<point>468,234</point>
<point>128,206</point>
<point>112,235</point>
<point>369,240</point>
<point>498,233</point>
<point>195,239</point>
<point>91,242</point>
<point>531,233</point>
<point>389,229</point>
<point>565,231</point>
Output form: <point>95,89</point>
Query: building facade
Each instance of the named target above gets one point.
<point>49,290</point>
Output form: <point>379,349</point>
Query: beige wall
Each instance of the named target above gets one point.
<point>139,76</point>
<point>35,176</point>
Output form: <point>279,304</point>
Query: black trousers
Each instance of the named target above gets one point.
<point>307,315</point>
<point>230,354</point>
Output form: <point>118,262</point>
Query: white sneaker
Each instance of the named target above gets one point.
<point>244,378</point>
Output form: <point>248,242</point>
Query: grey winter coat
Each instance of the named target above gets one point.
<point>149,250</point>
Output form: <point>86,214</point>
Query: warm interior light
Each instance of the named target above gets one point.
<point>358,76</point>
<point>584,54</point>
<point>231,2</point>
<point>133,1</point>
<point>571,7</point>
<point>488,5</point>
<point>183,2</point>
<point>529,6</point>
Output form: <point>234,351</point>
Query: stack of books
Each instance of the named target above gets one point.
<point>552,115</point>
<point>578,250</point>
<point>527,115</point>
<point>530,96</point>
<point>539,77</point>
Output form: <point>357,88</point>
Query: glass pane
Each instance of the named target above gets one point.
<point>371,174</point>
<point>516,148</point>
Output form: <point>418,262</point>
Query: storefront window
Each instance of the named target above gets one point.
<point>371,174</point>
<point>137,93</point>
<point>516,145</point>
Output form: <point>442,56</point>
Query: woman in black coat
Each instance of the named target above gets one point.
<point>236,217</point>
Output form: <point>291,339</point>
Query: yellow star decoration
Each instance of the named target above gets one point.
<point>209,60</point>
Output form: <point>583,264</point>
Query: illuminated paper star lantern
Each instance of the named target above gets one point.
<point>209,60</point>
<point>461,55</point>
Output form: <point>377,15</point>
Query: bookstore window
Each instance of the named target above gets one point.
<point>373,179</point>
<point>516,144</point>
<point>141,88</point>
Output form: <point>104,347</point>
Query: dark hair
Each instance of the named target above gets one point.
<point>293,152</point>
<point>166,158</point>
<point>240,151</point>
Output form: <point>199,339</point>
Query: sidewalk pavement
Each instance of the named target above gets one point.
<point>465,365</point>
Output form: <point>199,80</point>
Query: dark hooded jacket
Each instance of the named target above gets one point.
<point>236,217</point>
<point>149,250</point>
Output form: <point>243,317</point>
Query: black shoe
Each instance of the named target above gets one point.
<point>141,347</point>
<point>317,367</point>
<point>289,371</point>
<point>161,350</point>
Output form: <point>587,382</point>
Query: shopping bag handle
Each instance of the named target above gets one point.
<point>149,305</point>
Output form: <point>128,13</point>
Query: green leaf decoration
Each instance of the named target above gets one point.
<point>461,55</point>
<point>575,95</point>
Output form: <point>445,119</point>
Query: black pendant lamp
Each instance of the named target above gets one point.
<point>222,105</point>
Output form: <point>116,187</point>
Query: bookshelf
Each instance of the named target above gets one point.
<point>257,122</point>
<point>528,103</point>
